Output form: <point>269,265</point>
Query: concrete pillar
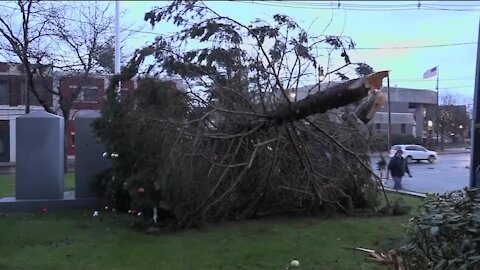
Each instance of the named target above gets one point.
<point>88,156</point>
<point>419,119</point>
<point>13,138</point>
<point>39,157</point>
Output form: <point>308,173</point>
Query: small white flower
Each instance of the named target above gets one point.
<point>295,263</point>
<point>106,207</point>
<point>129,211</point>
<point>114,155</point>
<point>139,214</point>
<point>95,213</point>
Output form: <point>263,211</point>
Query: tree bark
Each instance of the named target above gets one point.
<point>332,97</point>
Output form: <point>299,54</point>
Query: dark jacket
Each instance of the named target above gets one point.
<point>398,166</point>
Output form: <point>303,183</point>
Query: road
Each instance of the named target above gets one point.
<point>448,173</point>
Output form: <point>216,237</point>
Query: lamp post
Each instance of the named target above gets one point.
<point>117,43</point>
<point>461,133</point>
<point>321,77</point>
<point>429,134</point>
<point>292,95</point>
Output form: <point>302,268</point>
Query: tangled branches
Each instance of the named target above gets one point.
<point>237,142</point>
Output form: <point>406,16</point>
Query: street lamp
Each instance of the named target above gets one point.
<point>321,74</point>
<point>292,95</point>
<point>321,77</point>
<point>430,124</point>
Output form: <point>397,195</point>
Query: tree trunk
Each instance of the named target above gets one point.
<point>333,97</point>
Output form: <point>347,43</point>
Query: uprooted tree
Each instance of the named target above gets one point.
<point>236,143</point>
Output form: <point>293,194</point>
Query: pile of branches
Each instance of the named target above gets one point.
<point>235,142</point>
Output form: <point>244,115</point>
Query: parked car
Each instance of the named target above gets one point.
<point>413,152</point>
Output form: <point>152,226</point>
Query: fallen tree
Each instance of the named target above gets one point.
<point>233,144</point>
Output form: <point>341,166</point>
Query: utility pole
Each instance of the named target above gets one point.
<point>475,149</point>
<point>438,111</point>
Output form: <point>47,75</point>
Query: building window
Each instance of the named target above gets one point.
<point>412,105</point>
<point>377,126</point>
<point>73,138</point>
<point>88,93</point>
<point>4,93</point>
<point>39,88</point>
<point>403,128</point>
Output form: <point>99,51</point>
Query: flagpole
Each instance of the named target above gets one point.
<point>117,42</point>
<point>438,108</point>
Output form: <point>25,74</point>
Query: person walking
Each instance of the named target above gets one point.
<point>397,167</point>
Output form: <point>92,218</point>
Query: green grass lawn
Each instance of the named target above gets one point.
<point>7,184</point>
<point>76,240</point>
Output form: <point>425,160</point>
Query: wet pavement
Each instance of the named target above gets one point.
<point>448,173</point>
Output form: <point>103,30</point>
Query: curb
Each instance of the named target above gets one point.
<point>406,192</point>
<point>452,153</point>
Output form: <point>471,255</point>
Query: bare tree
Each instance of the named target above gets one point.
<point>454,119</point>
<point>70,40</point>
<point>24,30</point>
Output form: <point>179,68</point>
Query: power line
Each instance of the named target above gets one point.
<point>421,80</point>
<point>366,7</point>
<point>377,4</point>
<point>107,26</point>
<point>356,48</point>
<point>288,5</point>
<point>417,47</point>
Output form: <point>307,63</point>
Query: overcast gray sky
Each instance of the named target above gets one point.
<point>442,33</point>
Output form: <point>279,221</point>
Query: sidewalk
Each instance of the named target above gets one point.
<point>454,151</point>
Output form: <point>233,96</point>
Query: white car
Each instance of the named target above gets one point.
<point>413,152</point>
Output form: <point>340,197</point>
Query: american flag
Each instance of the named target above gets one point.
<point>430,73</point>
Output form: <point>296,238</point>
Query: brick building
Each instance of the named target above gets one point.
<point>91,96</point>
<point>13,99</point>
<point>12,105</point>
